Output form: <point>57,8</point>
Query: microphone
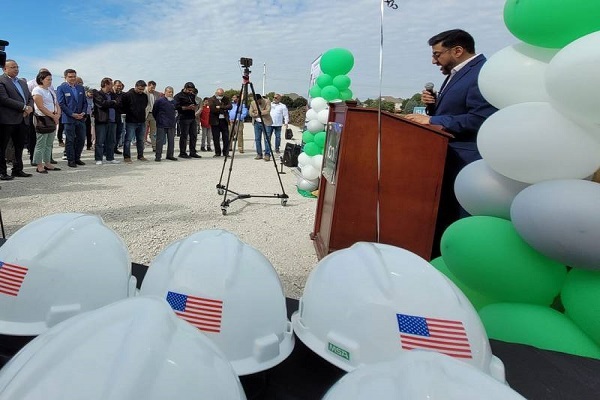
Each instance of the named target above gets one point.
<point>430,108</point>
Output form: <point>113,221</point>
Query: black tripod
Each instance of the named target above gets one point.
<point>224,190</point>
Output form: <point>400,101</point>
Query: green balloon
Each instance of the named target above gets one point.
<point>537,326</point>
<point>488,255</point>
<point>581,298</point>
<point>551,23</point>
<point>315,91</point>
<point>308,137</point>
<point>346,94</point>
<point>330,93</point>
<point>324,80</point>
<point>477,299</point>
<point>337,61</point>
<point>342,82</point>
<point>320,139</point>
<point>311,149</point>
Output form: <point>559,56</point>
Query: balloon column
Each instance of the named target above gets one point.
<point>332,85</point>
<point>529,258</point>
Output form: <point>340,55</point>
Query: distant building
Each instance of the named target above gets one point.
<point>397,102</point>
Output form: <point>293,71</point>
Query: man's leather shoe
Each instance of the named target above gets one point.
<point>53,161</point>
<point>118,151</point>
<point>21,174</point>
<point>5,177</point>
<point>172,158</point>
<point>72,164</point>
<point>184,155</point>
<point>79,162</point>
<point>195,155</point>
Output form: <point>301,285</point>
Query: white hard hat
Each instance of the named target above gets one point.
<point>59,266</point>
<point>416,375</point>
<point>370,302</point>
<point>132,349</point>
<point>228,290</point>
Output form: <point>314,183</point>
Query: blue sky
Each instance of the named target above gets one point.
<point>172,42</point>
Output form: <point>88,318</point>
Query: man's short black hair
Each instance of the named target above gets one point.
<point>151,83</point>
<point>454,37</point>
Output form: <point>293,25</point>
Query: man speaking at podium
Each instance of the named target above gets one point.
<point>459,108</point>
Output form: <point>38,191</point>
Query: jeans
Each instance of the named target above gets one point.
<point>105,141</point>
<point>277,130</point>
<point>161,135</point>
<point>188,129</point>
<point>206,137</point>
<point>120,134</point>
<point>137,129</point>
<point>258,132</point>
<point>74,139</point>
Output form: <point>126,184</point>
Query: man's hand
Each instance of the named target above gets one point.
<point>418,118</point>
<point>427,97</point>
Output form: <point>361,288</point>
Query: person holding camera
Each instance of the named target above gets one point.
<point>219,125</point>
<point>185,103</point>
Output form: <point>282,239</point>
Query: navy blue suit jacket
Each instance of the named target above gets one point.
<point>69,104</point>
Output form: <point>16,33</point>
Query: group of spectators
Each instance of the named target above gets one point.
<point>139,116</point>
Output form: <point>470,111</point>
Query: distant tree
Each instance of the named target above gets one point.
<point>414,101</point>
<point>385,105</point>
<point>287,100</point>
<point>230,92</point>
<point>358,102</point>
<point>299,102</point>
<point>270,95</point>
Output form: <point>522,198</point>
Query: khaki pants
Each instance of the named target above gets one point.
<point>151,129</point>
<point>240,134</point>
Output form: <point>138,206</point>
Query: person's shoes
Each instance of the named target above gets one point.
<point>157,159</point>
<point>216,155</point>
<point>127,160</point>
<point>98,162</point>
<point>242,151</point>
<point>79,162</point>
<point>184,155</point>
<point>195,155</point>
<point>44,171</point>
<point>72,164</point>
<point>89,148</point>
<point>53,161</point>
<point>258,157</point>
<point>172,158</point>
<point>64,157</point>
<point>142,159</point>
<point>154,149</point>
<point>113,162</point>
<point>21,174</point>
<point>267,158</point>
<point>208,148</point>
<point>277,151</point>
<point>202,149</point>
<point>52,169</point>
<point>33,164</point>
<point>5,177</point>
<point>117,151</point>
<point>61,144</point>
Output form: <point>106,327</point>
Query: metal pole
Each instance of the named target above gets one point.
<point>264,78</point>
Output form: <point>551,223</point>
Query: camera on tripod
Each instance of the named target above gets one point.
<point>3,44</point>
<point>246,62</point>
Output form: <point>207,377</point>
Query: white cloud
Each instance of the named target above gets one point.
<point>202,41</point>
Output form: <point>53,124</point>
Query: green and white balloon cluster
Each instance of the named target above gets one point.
<point>534,212</point>
<point>332,85</point>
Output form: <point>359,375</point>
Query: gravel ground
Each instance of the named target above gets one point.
<point>152,204</point>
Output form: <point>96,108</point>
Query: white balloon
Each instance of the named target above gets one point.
<point>317,161</point>
<point>309,172</point>
<point>482,191</point>
<point>308,185</point>
<point>560,219</point>
<point>318,104</point>
<point>515,74</point>
<point>315,126</point>
<point>572,78</point>
<point>323,116</point>
<point>311,115</point>
<point>304,159</point>
<point>533,142</point>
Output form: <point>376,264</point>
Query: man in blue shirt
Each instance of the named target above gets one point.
<point>73,103</point>
<point>239,125</point>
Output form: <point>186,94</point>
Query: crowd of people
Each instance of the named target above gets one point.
<point>33,114</point>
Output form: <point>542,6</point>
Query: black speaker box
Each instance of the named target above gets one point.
<point>290,154</point>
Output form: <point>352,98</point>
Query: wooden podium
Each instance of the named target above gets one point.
<point>406,190</point>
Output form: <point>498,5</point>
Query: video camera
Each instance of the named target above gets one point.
<point>246,62</point>
<point>3,44</point>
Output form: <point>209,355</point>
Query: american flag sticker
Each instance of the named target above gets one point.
<point>11,278</point>
<point>441,335</point>
<point>205,314</point>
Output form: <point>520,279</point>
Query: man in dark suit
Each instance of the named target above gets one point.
<point>459,108</point>
<point>219,121</point>
<point>16,104</point>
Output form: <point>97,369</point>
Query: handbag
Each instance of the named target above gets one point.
<point>289,135</point>
<point>44,124</point>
